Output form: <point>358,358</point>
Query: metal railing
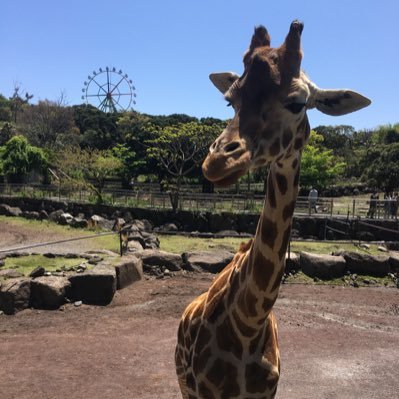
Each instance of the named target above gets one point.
<point>196,201</point>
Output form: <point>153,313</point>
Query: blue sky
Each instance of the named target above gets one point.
<point>168,48</point>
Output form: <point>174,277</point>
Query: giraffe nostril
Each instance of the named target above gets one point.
<point>230,147</point>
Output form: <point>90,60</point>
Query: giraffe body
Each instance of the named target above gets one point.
<point>227,338</point>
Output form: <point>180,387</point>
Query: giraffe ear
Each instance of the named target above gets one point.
<point>339,102</point>
<point>223,80</point>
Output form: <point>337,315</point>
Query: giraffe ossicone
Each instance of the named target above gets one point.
<point>227,338</point>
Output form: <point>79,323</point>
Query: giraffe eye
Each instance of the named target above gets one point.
<point>295,108</point>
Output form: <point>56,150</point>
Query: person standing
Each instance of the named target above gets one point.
<point>313,194</point>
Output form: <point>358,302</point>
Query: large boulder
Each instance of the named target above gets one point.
<point>10,273</point>
<point>65,219</point>
<point>322,266</point>
<point>292,262</point>
<point>14,295</point>
<point>154,257</point>
<point>55,215</point>
<point>49,292</point>
<point>99,222</point>
<point>95,286</point>
<point>367,264</point>
<point>394,262</point>
<point>79,222</point>
<point>128,270</point>
<point>8,210</point>
<point>211,261</point>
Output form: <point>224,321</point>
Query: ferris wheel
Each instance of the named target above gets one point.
<point>110,90</point>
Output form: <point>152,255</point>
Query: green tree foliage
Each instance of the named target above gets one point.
<point>97,129</point>
<point>18,159</point>
<point>87,168</point>
<point>18,102</point>
<point>319,166</point>
<point>179,149</point>
<point>381,167</point>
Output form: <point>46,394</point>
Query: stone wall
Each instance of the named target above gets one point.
<point>304,227</point>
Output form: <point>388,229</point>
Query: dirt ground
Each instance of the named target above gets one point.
<point>335,343</point>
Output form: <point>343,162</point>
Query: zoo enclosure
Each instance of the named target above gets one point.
<point>149,196</point>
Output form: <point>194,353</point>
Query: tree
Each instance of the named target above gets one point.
<point>381,167</point>
<point>49,124</point>
<point>179,149</point>
<point>319,167</point>
<point>87,168</point>
<point>18,103</point>
<point>18,159</point>
<point>97,129</point>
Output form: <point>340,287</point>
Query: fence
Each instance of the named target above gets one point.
<point>148,197</point>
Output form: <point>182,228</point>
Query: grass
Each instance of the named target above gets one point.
<point>361,280</point>
<point>179,244</point>
<point>25,264</point>
<point>56,232</point>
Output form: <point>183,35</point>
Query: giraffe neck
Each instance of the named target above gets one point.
<point>263,267</point>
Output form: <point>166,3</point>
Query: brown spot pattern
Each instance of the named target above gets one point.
<point>255,342</point>
<point>271,195</point>
<point>287,137</point>
<point>275,148</point>
<point>256,378</point>
<point>244,329</point>
<point>228,340</point>
<point>200,361</point>
<point>298,143</point>
<point>223,375</point>
<point>247,303</point>
<point>269,232</point>
<point>282,183</point>
<point>294,163</point>
<point>262,271</point>
<point>284,242</point>
<point>296,179</point>
<point>288,210</point>
<point>204,391</point>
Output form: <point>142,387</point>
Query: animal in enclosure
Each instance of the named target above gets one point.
<point>227,338</point>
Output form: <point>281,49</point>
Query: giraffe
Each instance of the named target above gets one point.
<point>227,337</point>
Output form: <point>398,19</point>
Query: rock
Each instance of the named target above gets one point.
<point>33,215</point>
<point>141,225</point>
<point>43,215</point>
<point>154,257</point>
<point>95,260</point>
<point>8,210</point>
<point>364,246</point>
<point>381,248</point>
<point>136,236</point>
<point>151,240</point>
<point>10,273</point>
<point>78,222</point>
<point>211,261</point>
<point>14,295</point>
<point>49,292</point>
<point>167,227</point>
<point>96,286</point>
<point>322,266</point>
<point>118,224</point>
<point>227,233</point>
<point>77,303</point>
<point>2,262</point>
<point>37,272</point>
<point>134,246</point>
<point>365,264</point>
<point>55,215</point>
<point>292,263</point>
<point>128,270</point>
<point>97,221</point>
<point>65,219</point>
<point>394,262</point>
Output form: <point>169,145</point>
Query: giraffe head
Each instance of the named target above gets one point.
<point>270,100</point>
